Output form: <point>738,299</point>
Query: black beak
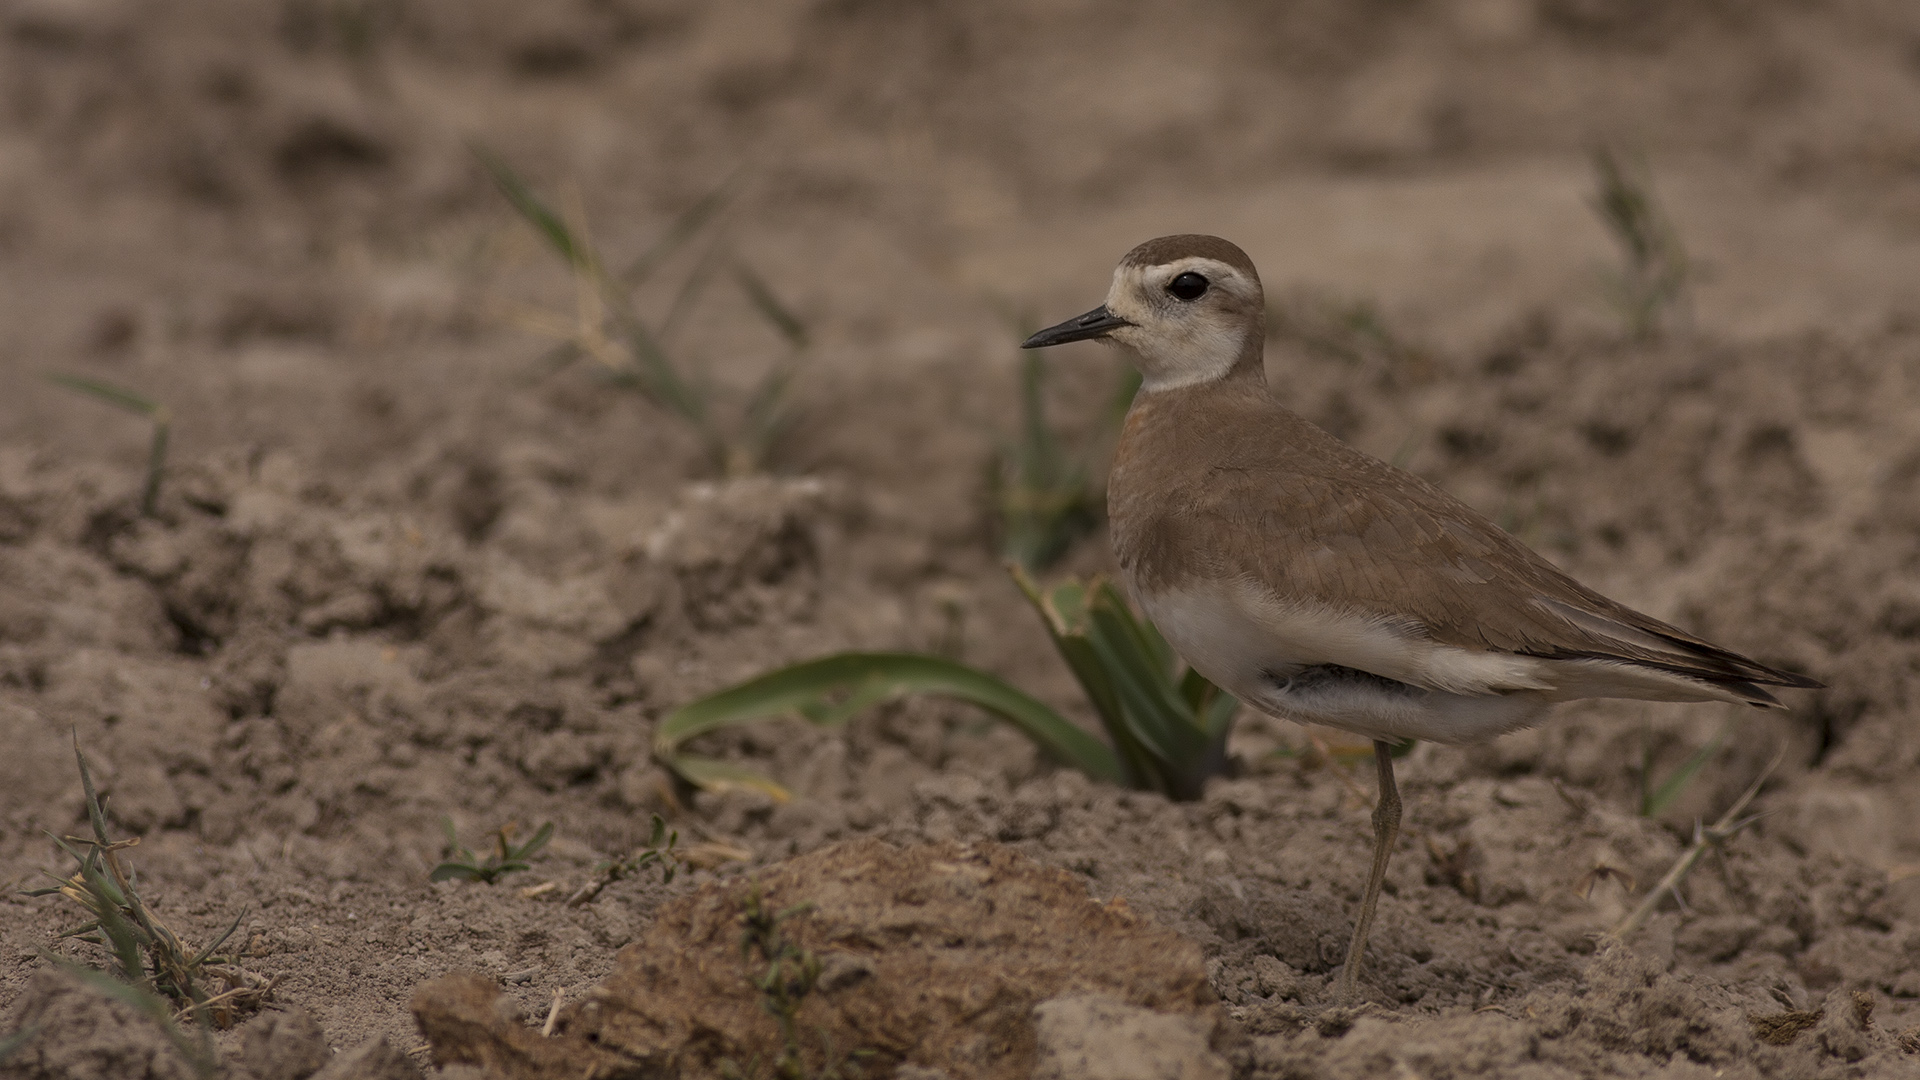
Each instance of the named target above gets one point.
<point>1097,323</point>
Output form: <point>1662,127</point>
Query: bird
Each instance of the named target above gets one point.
<point>1322,585</point>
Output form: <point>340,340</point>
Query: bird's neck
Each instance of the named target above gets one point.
<point>1214,367</point>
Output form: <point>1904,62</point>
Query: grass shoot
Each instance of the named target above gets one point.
<point>661,850</point>
<point>1655,798</point>
<point>1655,271</point>
<point>635,353</point>
<point>506,857</point>
<point>134,402</point>
<point>1721,831</point>
<point>1166,725</point>
<point>787,974</point>
<point>152,968</point>
<point>1040,482</point>
<point>1042,489</point>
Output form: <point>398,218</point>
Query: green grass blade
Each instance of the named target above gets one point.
<point>126,942</point>
<point>1216,713</point>
<point>656,376</point>
<point>1156,712</point>
<point>131,400</point>
<point>692,288</point>
<point>532,847</point>
<point>1657,800</point>
<point>858,698</point>
<point>88,861</point>
<point>777,315</point>
<point>821,685</point>
<point>1195,690</point>
<point>1063,612</point>
<point>1042,494</point>
<point>1213,707</point>
<point>1136,665</point>
<point>1092,674</point>
<point>156,463</point>
<point>1173,747</point>
<point>201,958</point>
<point>95,815</point>
<point>683,229</point>
<point>536,213</point>
<point>1158,745</point>
<point>1151,642</point>
<point>768,418</point>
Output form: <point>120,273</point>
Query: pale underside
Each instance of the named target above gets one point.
<point>1308,662</point>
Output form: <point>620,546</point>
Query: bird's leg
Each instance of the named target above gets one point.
<point>1386,827</point>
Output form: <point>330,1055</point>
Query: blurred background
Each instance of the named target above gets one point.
<point>527,369</point>
<point>240,180</point>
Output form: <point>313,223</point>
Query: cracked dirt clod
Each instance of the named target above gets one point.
<point>81,1034</point>
<point>933,956</point>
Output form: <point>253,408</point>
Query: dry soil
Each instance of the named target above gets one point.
<point>408,566</point>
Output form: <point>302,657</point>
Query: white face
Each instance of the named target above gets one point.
<point>1191,319</point>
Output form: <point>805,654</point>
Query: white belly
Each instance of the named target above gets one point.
<point>1363,675</point>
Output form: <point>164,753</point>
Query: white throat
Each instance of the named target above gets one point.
<point>1204,354</point>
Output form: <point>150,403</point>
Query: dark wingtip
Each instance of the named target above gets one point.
<point>1761,699</point>
<point>1773,676</point>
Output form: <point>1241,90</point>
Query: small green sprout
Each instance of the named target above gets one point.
<point>1041,487</point>
<point>506,857</point>
<point>134,402</point>
<point>1718,834</point>
<point>789,975</point>
<point>634,352</point>
<point>154,970</point>
<point>1655,270</point>
<point>1655,798</point>
<point>660,850</point>
<point>791,971</point>
<point>1166,725</point>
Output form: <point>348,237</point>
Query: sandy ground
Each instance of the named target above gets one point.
<point>406,569</point>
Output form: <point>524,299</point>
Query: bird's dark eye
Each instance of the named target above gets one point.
<point>1188,286</point>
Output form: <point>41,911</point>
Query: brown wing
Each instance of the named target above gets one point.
<point>1366,537</point>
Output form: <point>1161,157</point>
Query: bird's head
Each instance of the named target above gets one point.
<point>1188,308</point>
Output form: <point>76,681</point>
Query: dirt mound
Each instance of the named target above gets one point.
<point>81,1033</point>
<point>933,956</point>
<point>83,1030</point>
